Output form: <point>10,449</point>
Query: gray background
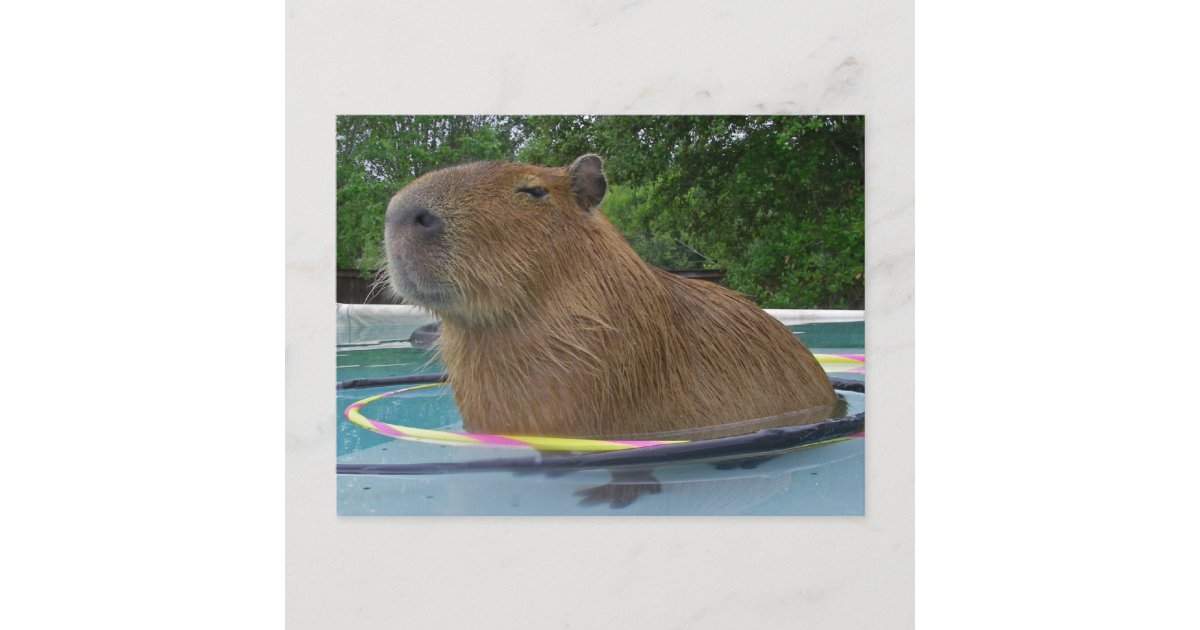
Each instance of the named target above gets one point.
<point>603,58</point>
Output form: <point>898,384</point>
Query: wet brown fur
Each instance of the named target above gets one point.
<point>552,325</point>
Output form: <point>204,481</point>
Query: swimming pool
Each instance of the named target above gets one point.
<point>820,480</point>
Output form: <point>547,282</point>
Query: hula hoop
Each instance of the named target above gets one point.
<point>540,443</point>
<point>854,363</point>
<point>353,414</point>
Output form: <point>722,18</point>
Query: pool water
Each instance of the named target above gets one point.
<point>825,479</point>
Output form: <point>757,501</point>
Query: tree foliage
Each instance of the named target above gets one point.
<point>776,201</point>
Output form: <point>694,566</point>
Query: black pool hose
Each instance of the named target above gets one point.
<point>766,441</point>
<point>359,383</point>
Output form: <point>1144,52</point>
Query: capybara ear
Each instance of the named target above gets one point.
<point>587,180</point>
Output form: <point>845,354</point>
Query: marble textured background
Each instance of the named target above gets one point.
<point>658,57</point>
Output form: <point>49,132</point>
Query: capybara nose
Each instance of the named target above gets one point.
<point>422,220</point>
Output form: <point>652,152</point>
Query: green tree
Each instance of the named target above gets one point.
<point>775,201</point>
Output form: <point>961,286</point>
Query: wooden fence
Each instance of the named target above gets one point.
<point>352,288</point>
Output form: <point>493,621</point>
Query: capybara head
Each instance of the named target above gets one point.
<point>478,241</point>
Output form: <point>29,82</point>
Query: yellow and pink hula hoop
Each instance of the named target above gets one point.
<point>831,362</point>
<point>541,443</point>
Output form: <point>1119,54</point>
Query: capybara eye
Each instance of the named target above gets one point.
<point>427,220</point>
<point>536,191</point>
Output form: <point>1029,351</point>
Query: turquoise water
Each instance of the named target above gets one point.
<point>429,408</point>
<point>826,479</point>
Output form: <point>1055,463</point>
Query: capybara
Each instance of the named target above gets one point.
<point>552,325</point>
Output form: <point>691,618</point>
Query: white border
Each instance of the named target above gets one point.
<point>599,572</point>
